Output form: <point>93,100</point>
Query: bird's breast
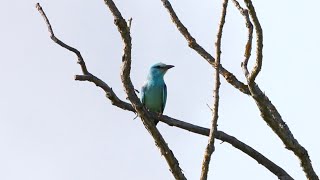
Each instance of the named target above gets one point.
<point>154,97</point>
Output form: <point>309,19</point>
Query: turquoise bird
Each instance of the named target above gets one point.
<point>154,91</point>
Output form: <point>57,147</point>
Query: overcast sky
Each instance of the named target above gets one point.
<point>55,128</point>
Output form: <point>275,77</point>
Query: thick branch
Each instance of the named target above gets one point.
<point>142,112</point>
<point>210,146</point>
<point>194,45</point>
<point>272,117</point>
<point>272,167</point>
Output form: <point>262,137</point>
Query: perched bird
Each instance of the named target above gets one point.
<point>154,91</point>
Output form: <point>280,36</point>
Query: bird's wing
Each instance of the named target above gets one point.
<point>164,98</point>
<point>143,94</point>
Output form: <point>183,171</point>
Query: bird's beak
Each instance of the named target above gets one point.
<point>169,66</point>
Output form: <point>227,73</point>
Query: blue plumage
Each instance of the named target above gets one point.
<point>154,91</point>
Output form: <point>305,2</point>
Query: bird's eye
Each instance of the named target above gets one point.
<point>158,67</point>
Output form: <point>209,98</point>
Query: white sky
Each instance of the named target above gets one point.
<point>52,127</point>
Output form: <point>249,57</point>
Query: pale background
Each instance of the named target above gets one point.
<point>55,128</point>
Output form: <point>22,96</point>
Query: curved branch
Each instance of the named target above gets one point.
<point>257,68</point>
<point>108,90</point>
<point>248,48</point>
<point>62,44</point>
<point>202,52</point>
<point>116,101</point>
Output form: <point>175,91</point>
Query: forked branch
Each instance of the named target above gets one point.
<point>248,48</point>
<point>146,118</point>
<point>268,111</point>
<point>202,52</point>
<point>87,76</point>
<point>259,36</point>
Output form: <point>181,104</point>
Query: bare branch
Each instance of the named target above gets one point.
<point>272,167</point>
<point>208,57</point>
<point>257,68</point>
<point>248,47</point>
<point>259,35</point>
<point>261,159</point>
<point>210,146</point>
<point>272,117</point>
<point>109,92</point>
<point>146,118</point>
<point>224,137</point>
<point>268,111</point>
<point>56,40</point>
<point>128,86</point>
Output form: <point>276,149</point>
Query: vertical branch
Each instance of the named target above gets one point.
<point>129,89</point>
<point>259,35</point>
<point>210,146</point>
<point>248,48</point>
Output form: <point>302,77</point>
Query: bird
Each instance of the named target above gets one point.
<point>154,90</point>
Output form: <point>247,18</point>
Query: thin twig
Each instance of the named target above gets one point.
<point>56,40</point>
<point>259,36</point>
<point>202,52</point>
<point>129,23</point>
<point>129,89</point>
<point>116,101</point>
<point>210,146</point>
<point>248,48</point>
<point>209,107</point>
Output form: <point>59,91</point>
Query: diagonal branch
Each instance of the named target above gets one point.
<point>272,117</point>
<point>210,146</point>
<point>129,89</point>
<point>56,40</point>
<point>268,111</point>
<point>108,90</point>
<point>202,52</point>
<point>116,101</point>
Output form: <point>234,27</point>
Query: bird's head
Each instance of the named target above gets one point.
<point>159,69</point>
